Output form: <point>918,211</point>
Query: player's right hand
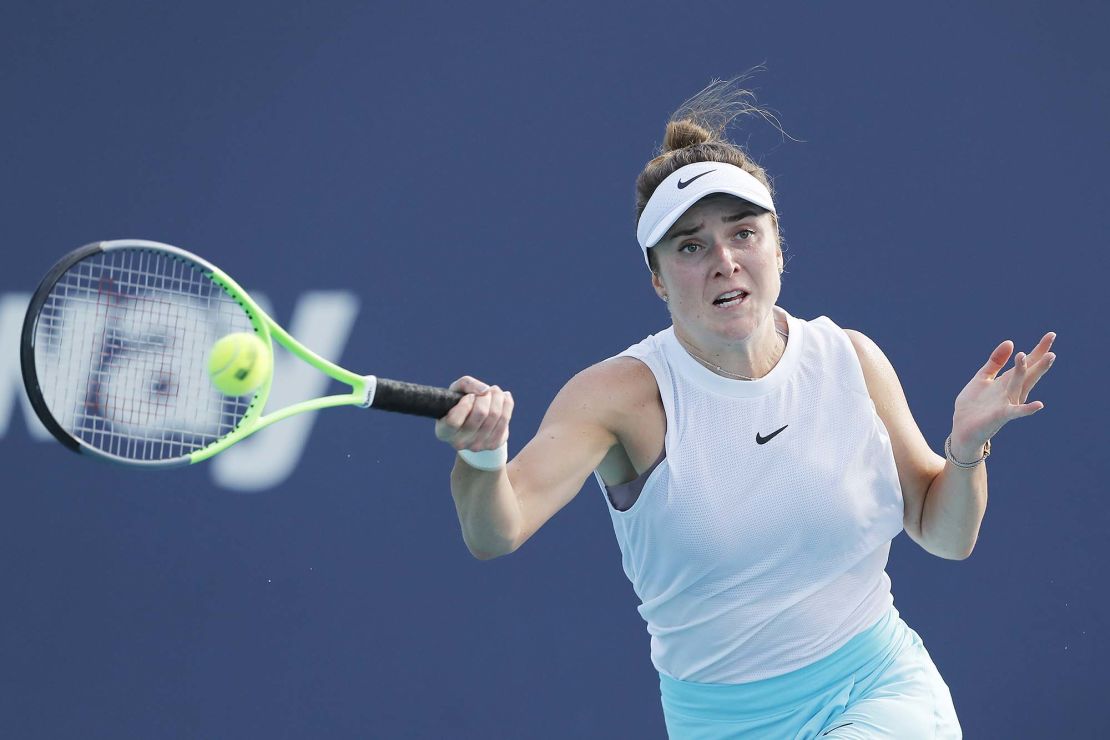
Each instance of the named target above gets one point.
<point>480,420</point>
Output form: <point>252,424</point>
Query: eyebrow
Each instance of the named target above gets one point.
<point>726,219</point>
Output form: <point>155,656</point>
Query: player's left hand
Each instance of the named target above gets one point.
<point>987,403</point>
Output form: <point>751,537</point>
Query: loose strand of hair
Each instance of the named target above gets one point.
<point>721,102</point>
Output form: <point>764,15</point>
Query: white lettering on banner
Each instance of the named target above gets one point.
<point>13,306</point>
<point>323,320</point>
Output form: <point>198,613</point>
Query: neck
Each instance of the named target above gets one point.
<point>748,359</point>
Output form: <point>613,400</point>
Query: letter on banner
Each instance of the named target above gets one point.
<point>13,306</point>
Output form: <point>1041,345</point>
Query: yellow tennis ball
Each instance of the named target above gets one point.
<point>239,363</point>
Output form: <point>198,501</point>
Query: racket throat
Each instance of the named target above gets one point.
<point>368,388</point>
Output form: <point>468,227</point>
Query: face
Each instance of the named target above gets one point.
<point>720,245</point>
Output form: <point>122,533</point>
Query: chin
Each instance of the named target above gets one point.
<point>738,327</point>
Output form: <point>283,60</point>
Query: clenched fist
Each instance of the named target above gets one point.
<point>480,420</point>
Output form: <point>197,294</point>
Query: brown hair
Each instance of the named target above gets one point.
<point>696,133</point>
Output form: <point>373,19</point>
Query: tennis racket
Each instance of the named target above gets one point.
<point>114,358</point>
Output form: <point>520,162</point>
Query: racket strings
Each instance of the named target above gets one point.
<point>121,350</point>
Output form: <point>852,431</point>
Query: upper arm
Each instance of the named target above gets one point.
<point>576,433</point>
<point>917,464</point>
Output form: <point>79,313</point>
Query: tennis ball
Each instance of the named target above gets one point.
<point>239,363</point>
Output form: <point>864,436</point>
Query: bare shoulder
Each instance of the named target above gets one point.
<point>882,382</point>
<point>866,349</point>
<point>610,391</point>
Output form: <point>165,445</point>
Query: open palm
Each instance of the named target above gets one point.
<point>987,403</point>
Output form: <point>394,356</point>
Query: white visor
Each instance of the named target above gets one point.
<point>685,187</point>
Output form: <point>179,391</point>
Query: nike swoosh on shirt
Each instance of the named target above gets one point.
<point>760,440</point>
<point>682,184</point>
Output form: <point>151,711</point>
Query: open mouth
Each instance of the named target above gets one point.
<point>731,298</point>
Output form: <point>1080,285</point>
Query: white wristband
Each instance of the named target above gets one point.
<point>486,459</point>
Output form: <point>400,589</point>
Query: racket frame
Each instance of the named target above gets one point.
<point>253,420</point>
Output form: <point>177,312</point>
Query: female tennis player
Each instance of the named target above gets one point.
<point>756,467</point>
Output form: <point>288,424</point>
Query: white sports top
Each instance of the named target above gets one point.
<point>753,560</point>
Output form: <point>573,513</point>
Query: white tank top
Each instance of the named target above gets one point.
<point>753,560</point>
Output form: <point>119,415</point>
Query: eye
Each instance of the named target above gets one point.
<point>695,246</point>
<point>745,234</point>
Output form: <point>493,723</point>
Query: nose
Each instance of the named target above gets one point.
<point>724,258</point>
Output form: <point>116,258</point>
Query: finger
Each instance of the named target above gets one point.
<point>1021,376</point>
<point>473,422</point>
<point>1036,372</point>
<point>468,384</point>
<point>1015,379</point>
<point>998,359</point>
<point>481,438</point>
<point>448,426</point>
<point>1026,409</point>
<point>456,417</point>
<point>1042,347</point>
<point>500,433</point>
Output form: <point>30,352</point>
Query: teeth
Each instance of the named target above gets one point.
<point>730,298</point>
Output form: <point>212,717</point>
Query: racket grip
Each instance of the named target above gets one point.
<point>411,398</point>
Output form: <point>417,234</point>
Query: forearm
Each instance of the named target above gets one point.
<point>488,509</point>
<point>955,504</point>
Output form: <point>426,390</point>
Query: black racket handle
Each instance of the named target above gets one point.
<point>411,398</point>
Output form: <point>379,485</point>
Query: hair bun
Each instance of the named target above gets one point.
<point>684,133</point>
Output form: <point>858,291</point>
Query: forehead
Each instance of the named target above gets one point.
<point>713,206</point>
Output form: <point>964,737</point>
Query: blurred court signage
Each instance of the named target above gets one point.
<point>324,319</point>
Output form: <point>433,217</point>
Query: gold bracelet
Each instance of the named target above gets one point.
<point>957,463</point>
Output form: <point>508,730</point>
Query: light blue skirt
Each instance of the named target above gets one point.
<point>880,684</point>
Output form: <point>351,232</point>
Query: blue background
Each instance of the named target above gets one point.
<point>466,172</point>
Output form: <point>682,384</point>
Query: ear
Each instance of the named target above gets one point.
<point>657,283</point>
